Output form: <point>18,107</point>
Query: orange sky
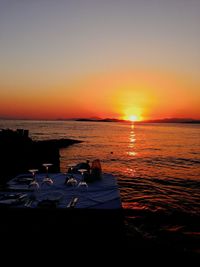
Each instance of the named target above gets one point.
<point>64,59</point>
<point>147,94</point>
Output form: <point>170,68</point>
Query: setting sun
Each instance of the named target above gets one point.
<point>132,114</point>
<point>133,118</point>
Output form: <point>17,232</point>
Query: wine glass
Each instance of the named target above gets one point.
<point>82,182</point>
<point>47,180</point>
<point>70,179</point>
<point>71,167</point>
<point>34,184</point>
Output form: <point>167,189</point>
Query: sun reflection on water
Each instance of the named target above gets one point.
<point>132,139</point>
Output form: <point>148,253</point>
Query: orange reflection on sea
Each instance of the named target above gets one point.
<point>132,139</point>
<point>132,153</point>
<point>134,206</point>
<point>130,171</point>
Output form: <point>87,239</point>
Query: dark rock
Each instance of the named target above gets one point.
<point>19,153</point>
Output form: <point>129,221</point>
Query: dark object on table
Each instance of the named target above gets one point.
<point>96,170</point>
<point>82,165</point>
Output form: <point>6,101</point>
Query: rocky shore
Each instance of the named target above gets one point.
<point>19,153</point>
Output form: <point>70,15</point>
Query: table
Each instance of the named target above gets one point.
<point>101,194</point>
<point>97,216</point>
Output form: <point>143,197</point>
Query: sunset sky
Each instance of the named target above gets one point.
<point>106,58</point>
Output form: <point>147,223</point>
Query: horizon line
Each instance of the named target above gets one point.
<point>99,119</point>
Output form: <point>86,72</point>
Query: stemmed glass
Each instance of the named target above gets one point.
<point>71,180</point>
<point>82,182</point>
<point>71,166</point>
<point>34,184</point>
<point>47,180</point>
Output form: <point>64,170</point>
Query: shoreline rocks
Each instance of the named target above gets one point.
<point>19,153</point>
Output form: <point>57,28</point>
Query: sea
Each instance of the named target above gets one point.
<point>157,167</point>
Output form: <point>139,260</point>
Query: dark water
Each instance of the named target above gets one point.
<point>157,167</point>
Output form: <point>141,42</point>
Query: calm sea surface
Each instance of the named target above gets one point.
<point>157,167</point>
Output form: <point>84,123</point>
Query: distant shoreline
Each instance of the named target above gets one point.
<point>140,122</point>
<point>167,120</point>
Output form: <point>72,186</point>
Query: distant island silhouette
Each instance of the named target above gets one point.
<point>97,119</point>
<point>165,120</point>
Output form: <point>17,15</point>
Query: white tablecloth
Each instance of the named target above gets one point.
<point>102,194</point>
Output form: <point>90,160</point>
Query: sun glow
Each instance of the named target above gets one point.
<point>132,114</point>
<point>133,118</point>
